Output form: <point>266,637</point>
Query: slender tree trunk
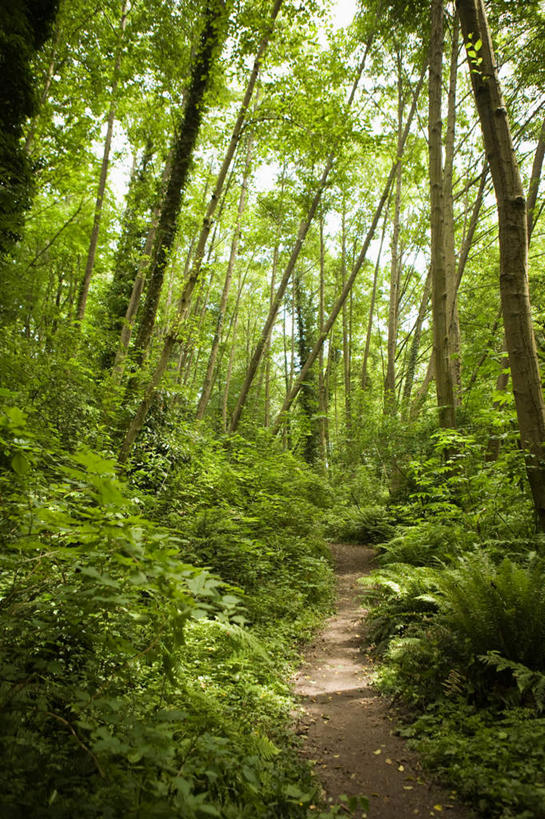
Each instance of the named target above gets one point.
<point>309,401</point>
<point>294,391</point>
<point>365,363</point>
<point>301,235</point>
<point>395,263</point>
<point>415,343</point>
<point>493,445</point>
<point>268,362</point>
<point>186,138</point>
<point>443,369</point>
<point>183,304</point>
<point>513,238</point>
<point>139,281</point>
<point>322,394</point>
<point>448,204</point>
<point>345,340</point>
<point>225,401</point>
<point>97,218</point>
<point>128,254</point>
<point>462,261</point>
<point>208,378</point>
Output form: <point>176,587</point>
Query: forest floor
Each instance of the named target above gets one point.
<point>349,728</point>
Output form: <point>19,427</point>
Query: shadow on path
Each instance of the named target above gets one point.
<point>348,727</point>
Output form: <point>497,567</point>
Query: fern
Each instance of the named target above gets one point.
<point>400,595</point>
<point>497,608</point>
<point>426,543</point>
<point>528,682</point>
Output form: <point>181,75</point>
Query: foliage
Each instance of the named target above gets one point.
<point>367,525</point>
<point>495,760</point>
<point>128,671</point>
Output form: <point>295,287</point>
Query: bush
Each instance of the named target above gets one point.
<point>495,760</point>
<point>367,525</point>
<point>127,669</point>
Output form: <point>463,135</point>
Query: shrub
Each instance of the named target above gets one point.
<point>367,525</point>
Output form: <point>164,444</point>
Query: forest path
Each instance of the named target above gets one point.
<point>348,726</point>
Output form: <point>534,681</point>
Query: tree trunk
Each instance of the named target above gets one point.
<point>365,363</point>
<point>415,343</point>
<point>128,254</point>
<point>97,218</point>
<point>443,369</point>
<point>351,279</point>
<point>268,362</point>
<point>139,282</point>
<point>225,401</point>
<point>395,262</point>
<point>345,323</point>
<point>304,226</point>
<point>208,378</point>
<point>513,239</point>
<point>309,398</point>
<point>322,390</point>
<point>191,281</point>
<point>186,138</point>
<point>448,204</point>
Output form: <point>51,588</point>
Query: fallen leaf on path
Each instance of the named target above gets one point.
<point>377,752</point>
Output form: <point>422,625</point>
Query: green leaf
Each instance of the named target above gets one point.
<point>20,464</point>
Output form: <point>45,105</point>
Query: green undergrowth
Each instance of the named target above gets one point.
<point>457,622</point>
<point>150,625</point>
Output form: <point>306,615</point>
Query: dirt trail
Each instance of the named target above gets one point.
<point>348,727</point>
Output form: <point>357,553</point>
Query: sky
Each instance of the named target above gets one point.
<point>343,12</point>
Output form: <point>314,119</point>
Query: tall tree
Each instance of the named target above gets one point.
<point>99,203</point>
<point>25,25</point>
<point>441,347</point>
<point>395,261</point>
<point>304,227</point>
<point>187,132</point>
<point>513,241</point>
<point>184,301</point>
<point>358,263</point>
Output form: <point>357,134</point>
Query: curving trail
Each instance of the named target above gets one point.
<point>348,727</point>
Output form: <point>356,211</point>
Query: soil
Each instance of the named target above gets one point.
<point>349,728</point>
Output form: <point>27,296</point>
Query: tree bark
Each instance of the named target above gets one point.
<point>304,226</point>
<point>139,283</point>
<point>415,343</point>
<point>351,279</point>
<point>535,179</point>
<point>322,389</point>
<point>97,218</point>
<point>210,368</point>
<point>183,304</point>
<point>186,138</point>
<point>365,362</point>
<point>449,238</point>
<point>443,370</point>
<point>395,261</point>
<point>513,240</point>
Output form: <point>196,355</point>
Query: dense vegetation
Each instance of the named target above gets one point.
<point>238,244</point>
